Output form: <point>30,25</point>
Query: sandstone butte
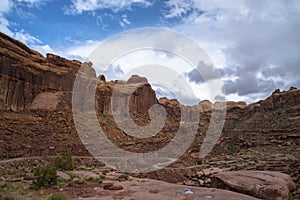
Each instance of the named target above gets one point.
<point>256,157</point>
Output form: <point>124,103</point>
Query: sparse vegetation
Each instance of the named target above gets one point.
<point>58,196</point>
<point>235,119</point>
<point>72,175</point>
<point>97,179</point>
<point>64,162</point>
<point>226,133</point>
<point>82,167</point>
<point>231,149</point>
<point>45,177</point>
<point>11,172</point>
<point>6,197</point>
<point>290,197</point>
<point>79,180</point>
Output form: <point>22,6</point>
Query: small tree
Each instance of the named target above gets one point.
<point>64,162</point>
<point>45,177</point>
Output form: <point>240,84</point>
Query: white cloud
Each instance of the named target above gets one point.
<point>43,49</point>
<point>178,8</point>
<point>5,6</point>
<point>80,51</point>
<point>22,35</point>
<point>31,3</point>
<point>81,6</point>
<point>4,26</point>
<point>124,21</point>
<point>26,38</point>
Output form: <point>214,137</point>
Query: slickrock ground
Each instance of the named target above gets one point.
<point>36,125</point>
<point>102,183</point>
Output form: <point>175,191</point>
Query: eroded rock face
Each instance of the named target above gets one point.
<point>46,101</point>
<point>261,184</point>
<point>136,95</point>
<point>30,81</point>
<point>25,73</point>
<point>205,106</point>
<point>279,99</point>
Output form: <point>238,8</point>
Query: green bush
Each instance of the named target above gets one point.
<point>64,162</point>
<point>58,196</point>
<point>45,177</point>
<point>199,162</point>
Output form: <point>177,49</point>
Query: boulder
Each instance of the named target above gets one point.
<point>261,184</point>
<point>63,175</point>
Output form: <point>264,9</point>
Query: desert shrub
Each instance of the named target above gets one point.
<point>97,179</point>
<point>45,177</point>
<point>199,162</point>
<point>231,149</point>
<point>123,177</point>
<point>79,180</point>
<point>72,175</point>
<point>226,133</point>
<point>64,162</point>
<point>58,196</point>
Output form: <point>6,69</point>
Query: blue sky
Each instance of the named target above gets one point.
<point>65,23</point>
<point>254,43</point>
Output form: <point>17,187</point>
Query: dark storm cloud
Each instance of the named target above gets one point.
<point>259,40</point>
<point>203,73</point>
<point>249,84</point>
<point>266,46</point>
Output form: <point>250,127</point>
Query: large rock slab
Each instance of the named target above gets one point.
<point>260,184</point>
<point>158,190</point>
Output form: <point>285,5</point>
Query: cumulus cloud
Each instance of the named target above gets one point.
<point>81,6</point>
<point>258,39</point>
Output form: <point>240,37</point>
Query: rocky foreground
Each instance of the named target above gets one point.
<point>257,155</point>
